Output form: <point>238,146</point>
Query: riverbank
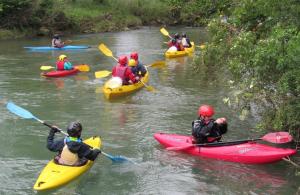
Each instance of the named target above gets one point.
<point>90,16</point>
<point>47,17</point>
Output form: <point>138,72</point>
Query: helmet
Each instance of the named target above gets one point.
<point>134,55</point>
<point>123,60</point>
<point>62,57</point>
<point>56,36</point>
<point>183,35</point>
<point>206,110</point>
<point>132,62</point>
<point>74,129</point>
<point>176,36</point>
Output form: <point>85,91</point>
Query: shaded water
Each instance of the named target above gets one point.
<point>126,125</point>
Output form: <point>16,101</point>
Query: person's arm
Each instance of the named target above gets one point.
<point>88,153</point>
<point>142,69</point>
<point>113,72</point>
<point>130,75</point>
<point>53,42</point>
<point>52,145</point>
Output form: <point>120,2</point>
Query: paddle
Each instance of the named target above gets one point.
<point>21,112</point>
<point>165,32</point>
<point>106,51</point>
<point>156,64</point>
<point>102,74</point>
<point>277,138</point>
<point>82,67</point>
<point>148,87</point>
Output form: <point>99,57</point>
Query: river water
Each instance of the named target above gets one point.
<point>126,125</point>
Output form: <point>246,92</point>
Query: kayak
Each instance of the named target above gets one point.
<point>123,90</point>
<point>60,73</point>
<point>67,47</point>
<point>249,152</point>
<point>175,54</point>
<point>55,175</point>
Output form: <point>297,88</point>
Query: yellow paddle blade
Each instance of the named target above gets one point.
<point>83,67</point>
<point>148,87</point>
<point>102,74</point>
<point>157,64</point>
<point>201,46</point>
<point>164,32</point>
<point>105,50</point>
<point>46,67</point>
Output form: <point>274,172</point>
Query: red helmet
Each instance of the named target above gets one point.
<point>206,110</point>
<point>123,60</point>
<point>134,55</point>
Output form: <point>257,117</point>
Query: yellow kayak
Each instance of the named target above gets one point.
<point>54,175</point>
<point>175,54</point>
<point>110,92</point>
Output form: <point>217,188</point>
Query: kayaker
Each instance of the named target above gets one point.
<point>71,149</point>
<point>206,129</point>
<point>63,63</point>
<point>137,68</point>
<point>185,41</point>
<point>123,71</point>
<point>173,45</point>
<point>57,42</point>
<point>178,42</point>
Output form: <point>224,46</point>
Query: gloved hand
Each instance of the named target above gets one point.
<point>98,151</point>
<point>54,129</point>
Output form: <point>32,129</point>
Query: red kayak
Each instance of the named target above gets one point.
<point>249,152</point>
<point>60,73</point>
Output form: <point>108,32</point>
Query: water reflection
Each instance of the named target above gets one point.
<point>224,177</point>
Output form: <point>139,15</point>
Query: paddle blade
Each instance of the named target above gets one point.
<point>19,111</point>
<point>83,67</point>
<point>105,50</point>
<point>157,64</point>
<point>46,67</point>
<point>164,32</point>
<point>148,87</point>
<point>102,74</point>
<point>278,137</point>
<point>118,159</point>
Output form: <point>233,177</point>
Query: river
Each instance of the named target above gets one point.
<point>126,125</point>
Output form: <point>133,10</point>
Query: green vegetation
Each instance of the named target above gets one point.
<point>259,44</point>
<point>43,17</point>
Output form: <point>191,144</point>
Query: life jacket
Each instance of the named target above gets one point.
<point>120,72</point>
<point>67,157</point>
<point>60,65</point>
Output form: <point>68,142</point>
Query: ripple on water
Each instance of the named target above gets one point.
<point>16,175</point>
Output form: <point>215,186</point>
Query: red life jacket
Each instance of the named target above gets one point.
<point>60,65</point>
<point>120,72</point>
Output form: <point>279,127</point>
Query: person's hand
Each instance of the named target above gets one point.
<point>54,129</point>
<point>137,78</point>
<point>221,120</point>
<point>98,151</point>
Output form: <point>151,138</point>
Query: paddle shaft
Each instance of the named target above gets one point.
<point>51,126</point>
<point>227,143</point>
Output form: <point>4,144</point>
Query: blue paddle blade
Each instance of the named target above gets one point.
<point>117,159</point>
<point>19,111</point>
